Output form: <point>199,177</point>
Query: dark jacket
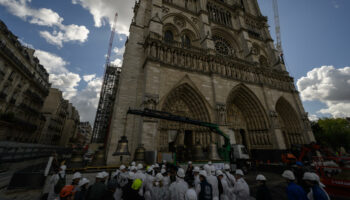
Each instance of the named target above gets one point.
<point>129,193</point>
<point>109,195</point>
<point>263,193</point>
<point>96,191</point>
<point>80,195</point>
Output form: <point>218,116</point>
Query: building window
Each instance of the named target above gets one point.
<point>186,41</point>
<point>219,15</point>
<point>222,46</point>
<point>168,36</point>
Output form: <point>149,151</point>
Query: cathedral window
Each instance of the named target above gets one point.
<point>186,41</point>
<point>222,46</point>
<point>168,36</point>
<point>219,15</point>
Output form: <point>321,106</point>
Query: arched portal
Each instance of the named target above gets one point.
<point>289,122</point>
<point>247,118</point>
<point>184,101</point>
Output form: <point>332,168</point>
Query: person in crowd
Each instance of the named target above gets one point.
<point>148,183</point>
<point>212,180</point>
<point>57,182</point>
<point>121,178</point>
<point>82,192</point>
<point>231,180</point>
<point>98,189</point>
<point>105,177</point>
<point>67,193</point>
<point>179,187</point>
<point>75,180</point>
<point>263,192</point>
<point>224,190</point>
<point>131,190</point>
<point>166,177</point>
<point>204,189</point>
<point>158,190</point>
<point>294,191</point>
<point>316,192</point>
<point>241,188</point>
<point>191,192</point>
<point>196,180</point>
<point>109,194</point>
<point>189,170</point>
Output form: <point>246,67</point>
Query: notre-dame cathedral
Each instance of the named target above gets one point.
<point>209,60</point>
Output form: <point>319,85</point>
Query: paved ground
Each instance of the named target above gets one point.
<point>275,183</point>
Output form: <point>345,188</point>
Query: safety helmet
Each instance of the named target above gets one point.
<point>136,185</point>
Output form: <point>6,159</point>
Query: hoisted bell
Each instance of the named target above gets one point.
<point>122,148</point>
<point>140,153</point>
<point>213,152</point>
<point>198,154</point>
<point>99,158</point>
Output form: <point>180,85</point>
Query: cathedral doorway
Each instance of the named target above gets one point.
<point>246,115</point>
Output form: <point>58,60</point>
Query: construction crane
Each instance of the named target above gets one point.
<point>111,39</point>
<point>107,95</point>
<point>278,29</point>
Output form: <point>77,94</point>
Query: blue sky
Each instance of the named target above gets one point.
<point>71,38</point>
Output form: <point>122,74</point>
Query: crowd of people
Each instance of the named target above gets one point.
<point>169,182</point>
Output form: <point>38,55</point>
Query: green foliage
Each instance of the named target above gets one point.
<point>332,132</point>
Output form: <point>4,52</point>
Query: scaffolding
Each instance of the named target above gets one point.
<point>105,106</point>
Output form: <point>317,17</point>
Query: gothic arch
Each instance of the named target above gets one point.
<point>289,122</point>
<point>229,37</point>
<point>184,101</point>
<point>246,113</point>
<point>173,17</point>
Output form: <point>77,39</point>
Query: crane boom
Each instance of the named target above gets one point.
<point>111,39</point>
<point>277,26</point>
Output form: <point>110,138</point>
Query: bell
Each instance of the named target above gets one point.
<point>198,154</point>
<point>99,158</point>
<point>122,148</point>
<point>140,153</point>
<point>213,152</point>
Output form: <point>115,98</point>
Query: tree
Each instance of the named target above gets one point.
<point>332,132</point>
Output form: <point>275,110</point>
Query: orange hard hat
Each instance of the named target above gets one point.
<point>67,191</point>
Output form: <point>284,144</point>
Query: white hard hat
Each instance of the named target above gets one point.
<point>239,172</point>
<point>288,175</point>
<point>122,167</point>
<point>190,162</point>
<point>318,180</point>
<point>219,173</point>
<point>139,166</point>
<point>149,169</point>
<point>63,167</point>
<point>203,173</point>
<point>76,175</point>
<point>260,177</point>
<point>83,182</point>
<point>131,175</point>
<point>162,171</point>
<point>226,167</point>
<point>159,177</point>
<point>180,173</point>
<point>133,163</point>
<point>133,168</point>
<point>99,175</point>
<point>196,169</point>
<point>309,176</point>
<point>210,163</point>
<point>105,174</point>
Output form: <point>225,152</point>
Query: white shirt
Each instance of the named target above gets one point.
<point>191,194</point>
<point>241,190</point>
<point>178,189</point>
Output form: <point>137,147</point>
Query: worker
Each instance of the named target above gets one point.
<point>67,192</point>
<point>109,194</point>
<point>131,190</point>
<point>316,192</point>
<point>82,192</point>
<point>140,175</point>
<point>75,180</point>
<point>57,182</point>
<point>148,183</point>
<point>191,192</point>
<point>263,193</point>
<point>231,180</point>
<point>121,177</point>
<point>213,181</point>
<point>294,191</point>
<point>196,176</point>
<point>166,177</point>
<point>178,188</point>
<point>98,189</point>
<point>241,188</point>
<point>322,186</point>
<point>158,190</point>
<point>204,189</point>
<point>189,171</point>
<point>224,190</point>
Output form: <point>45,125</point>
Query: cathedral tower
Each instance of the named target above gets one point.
<point>209,60</point>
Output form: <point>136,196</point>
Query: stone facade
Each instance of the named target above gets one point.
<point>23,88</point>
<point>209,60</point>
<point>85,130</point>
<point>71,127</point>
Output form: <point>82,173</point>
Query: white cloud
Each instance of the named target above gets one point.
<point>119,51</point>
<point>103,11</point>
<point>313,117</point>
<point>60,76</point>
<point>117,62</point>
<point>88,78</point>
<point>86,100</point>
<point>330,86</point>
<point>47,17</point>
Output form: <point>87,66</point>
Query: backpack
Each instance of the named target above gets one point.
<point>60,184</point>
<point>206,191</point>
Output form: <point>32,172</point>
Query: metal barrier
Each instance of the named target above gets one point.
<point>15,152</point>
